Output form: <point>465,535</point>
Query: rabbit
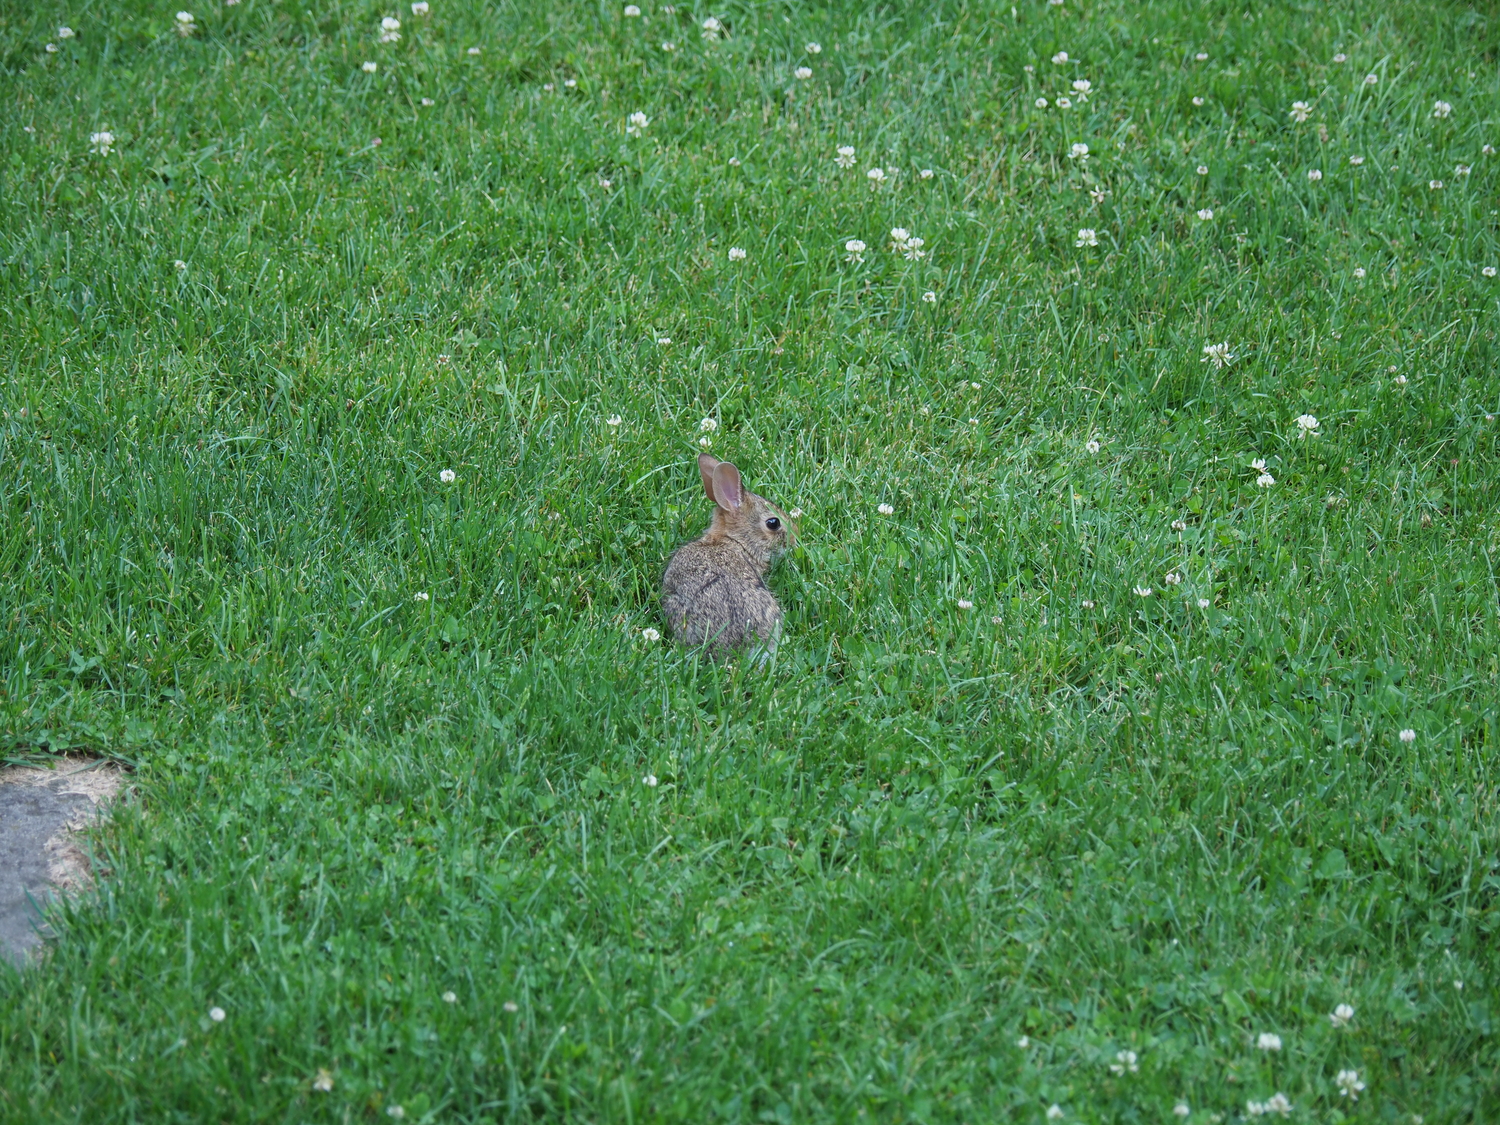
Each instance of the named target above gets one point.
<point>714,590</point>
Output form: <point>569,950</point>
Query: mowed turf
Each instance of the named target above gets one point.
<point>999,831</point>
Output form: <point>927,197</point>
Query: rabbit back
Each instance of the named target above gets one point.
<point>712,594</point>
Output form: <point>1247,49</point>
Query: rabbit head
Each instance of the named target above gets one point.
<point>752,522</point>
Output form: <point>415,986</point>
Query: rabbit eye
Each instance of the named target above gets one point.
<point>773,523</point>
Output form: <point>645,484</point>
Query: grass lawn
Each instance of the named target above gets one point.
<point>1124,729</point>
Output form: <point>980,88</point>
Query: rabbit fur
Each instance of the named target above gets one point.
<point>714,591</point>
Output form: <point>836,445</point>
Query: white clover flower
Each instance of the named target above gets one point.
<point>712,28</point>
<point>1086,237</point>
<point>964,603</point>
<point>1097,195</point>
<point>1179,525</point>
<point>613,421</point>
<point>1461,169</point>
<point>649,781</point>
<point>474,50</point>
<point>1091,446</point>
<point>1023,1042</point>
<point>447,476</point>
<point>1341,1015</point>
<point>795,513</point>
<point>1408,735</point>
<point>708,425</point>
<point>396,1111</point>
<point>663,341</point>
<point>101,142</point>
<point>216,1014</point>
<point>1278,1103</point>
<point>1435,185</point>
<point>1202,169</point>
<point>854,250</point>
<point>1488,271</point>
<point>1349,1084</point>
<point>814,48</point>
<point>1054,1111</point>
<point>1087,603</point>
<point>1307,424</point>
<point>650,634</point>
<point>1181,1109</point>
<point>322,1081</point>
<point>369,67</point>
<point>1083,88</point>
<point>802,73</point>
<point>931,298</point>
<point>1141,591</point>
<point>1314,174</point>
<point>390,29</point>
<point>885,509</point>
<point>1218,355</point>
<point>705,441</point>
<point>1079,151</point>
<point>631,11</point>
<point>1441,109</point>
<point>1064,103</point>
<point>422,596</point>
<point>1359,272</point>
<point>1060,58</point>
<point>1125,1061</point>
<point>606,184</point>
<point>1197,100</point>
<point>65,32</point>
<point>1356,161</point>
<point>736,253</point>
<point>1400,380</point>
<point>1265,480</point>
<point>511,1005</point>
<point>636,124</point>
<point>845,157</point>
<point>1172,578</point>
<point>1268,1041</point>
<point>1201,56</point>
<point>1204,603</point>
<point>1371,79</point>
<point>925,174</point>
<point>668,46</point>
<point>1259,464</point>
<point>420,8</point>
<point>913,251</point>
<point>1488,150</point>
<point>428,102</point>
<point>899,235</point>
<point>185,24</point>
<point>179,265</point>
<point>1299,112</point>
<point>570,83</point>
<point>1041,103</point>
<point>1205,214</point>
<point>450,997</point>
<point>876,176</point>
<point>51,48</point>
<point>1341,57</point>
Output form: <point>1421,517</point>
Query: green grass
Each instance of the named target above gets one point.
<point>1098,820</point>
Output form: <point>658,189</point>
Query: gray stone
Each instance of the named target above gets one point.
<point>38,808</point>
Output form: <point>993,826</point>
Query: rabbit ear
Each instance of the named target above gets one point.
<point>707,462</point>
<point>727,491</point>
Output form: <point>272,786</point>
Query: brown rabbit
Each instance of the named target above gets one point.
<point>714,590</point>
